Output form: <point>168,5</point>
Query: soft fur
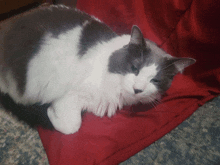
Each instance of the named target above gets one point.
<point>75,62</point>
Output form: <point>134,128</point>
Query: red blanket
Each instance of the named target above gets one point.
<point>187,28</point>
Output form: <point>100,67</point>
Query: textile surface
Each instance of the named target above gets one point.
<point>194,142</point>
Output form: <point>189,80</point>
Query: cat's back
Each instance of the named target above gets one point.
<point>55,19</point>
<point>28,31</point>
<point>27,34</point>
<point>40,46</point>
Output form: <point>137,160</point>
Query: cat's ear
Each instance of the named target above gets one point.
<point>182,63</point>
<point>137,36</point>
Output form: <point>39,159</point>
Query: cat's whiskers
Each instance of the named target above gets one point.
<point>155,101</point>
<point>160,103</point>
<point>154,105</point>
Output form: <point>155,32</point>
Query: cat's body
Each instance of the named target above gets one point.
<point>75,62</point>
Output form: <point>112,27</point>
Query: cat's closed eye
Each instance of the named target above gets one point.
<point>155,81</point>
<point>135,70</point>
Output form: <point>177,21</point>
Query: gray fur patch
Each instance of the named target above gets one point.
<point>94,32</point>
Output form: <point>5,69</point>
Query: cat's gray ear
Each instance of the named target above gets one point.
<point>182,63</point>
<point>137,36</point>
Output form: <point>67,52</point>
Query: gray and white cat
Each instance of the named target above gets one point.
<point>65,57</point>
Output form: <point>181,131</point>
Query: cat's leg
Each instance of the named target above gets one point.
<point>65,114</point>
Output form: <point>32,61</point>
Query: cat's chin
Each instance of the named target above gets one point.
<point>130,98</point>
<point>150,99</point>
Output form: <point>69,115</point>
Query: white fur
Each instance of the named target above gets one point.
<point>52,71</point>
<point>71,83</point>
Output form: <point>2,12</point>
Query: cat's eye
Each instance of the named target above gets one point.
<point>155,81</point>
<point>134,70</point>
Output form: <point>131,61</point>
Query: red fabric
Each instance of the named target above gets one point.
<point>183,28</point>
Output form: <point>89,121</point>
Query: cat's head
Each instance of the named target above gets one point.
<point>147,71</point>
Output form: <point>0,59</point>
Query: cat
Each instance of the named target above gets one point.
<point>71,61</point>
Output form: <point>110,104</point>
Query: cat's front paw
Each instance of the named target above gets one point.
<point>64,124</point>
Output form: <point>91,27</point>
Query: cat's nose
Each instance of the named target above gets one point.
<point>136,91</point>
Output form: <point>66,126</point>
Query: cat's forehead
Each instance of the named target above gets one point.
<point>149,71</point>
<point>157,55</point>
